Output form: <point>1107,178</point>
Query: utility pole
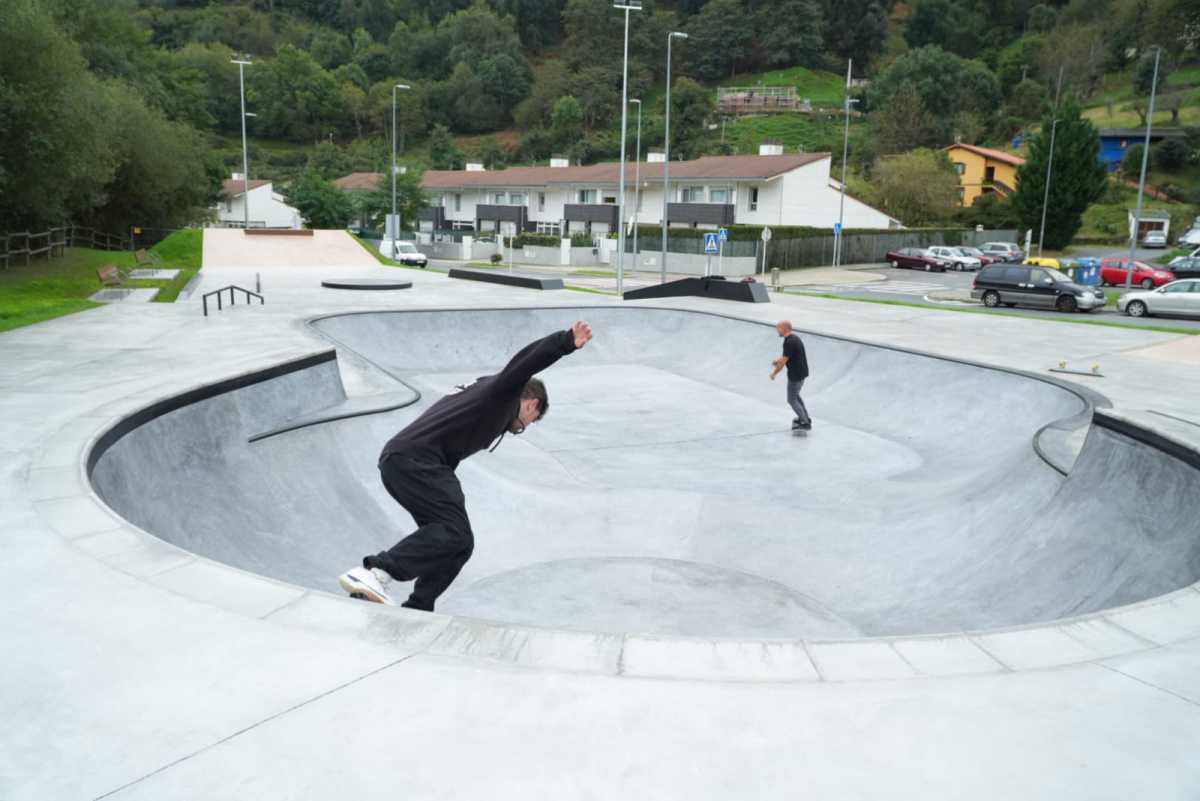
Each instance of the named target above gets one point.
<point>667,158</point>
<point>837,239</point>
<point>242,64</point>
<point>637,179</point>
<point>629,5</point>
<point>393,225</point>
<point>1050,160</point>
<point>1137,215</point>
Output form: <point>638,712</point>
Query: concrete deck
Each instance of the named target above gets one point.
<point>135,668</point>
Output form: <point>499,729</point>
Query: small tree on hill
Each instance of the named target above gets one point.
<point>919,187</point>
<point>320,203</point>
<point>443,153</point>
<point>1079,177</point>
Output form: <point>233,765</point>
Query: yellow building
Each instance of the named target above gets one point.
<point>982,170</point>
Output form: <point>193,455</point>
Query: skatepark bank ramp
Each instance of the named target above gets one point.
<point>664,492</point>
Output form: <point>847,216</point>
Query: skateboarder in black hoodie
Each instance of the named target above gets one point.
<point>417,466</point>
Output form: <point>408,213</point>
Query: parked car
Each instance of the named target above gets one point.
<point>1186,267</point>
<point>1113,271</point>
<point>916,259</point>
<point>1154,239</point>
<point>1190,239</point>
<point>405,253</point>
<point>1005,251</point>
<point>1029,285</point>
<point>1176,298</point>
<point>1194,254</point>
<point>955,260</point>
<point>984,259</point>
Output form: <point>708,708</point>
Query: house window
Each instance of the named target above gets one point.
<point>720,194</point>
<point>959,167</point>
<point>610,199</point>
<point>498,198</point>
<point>549,228</point>
<point>541,201</point>
<point>587,195</point>
<point>753,198</point>
<point>458,202</point>
<point>516,198</point>
<point>691,194</point>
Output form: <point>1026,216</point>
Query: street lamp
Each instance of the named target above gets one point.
<point>1050,160</point>
<point>393,221</point>
<point>667,157</point>
<point>837,239</point>
<point>1137,215</point>
<point>626,6</point>
<point>637,179</point>
<point>242,64</point>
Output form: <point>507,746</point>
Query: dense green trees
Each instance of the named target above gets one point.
<point>919,187</point>
<point>1079,176</point>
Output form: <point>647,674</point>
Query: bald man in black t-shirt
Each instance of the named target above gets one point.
<point>796,362</point>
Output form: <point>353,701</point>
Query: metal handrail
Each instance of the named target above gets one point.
<point>232,298</point>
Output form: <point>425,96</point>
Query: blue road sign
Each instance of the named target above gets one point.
<point>710,243</point>
<point>837,228</point>
<point>723,234</point>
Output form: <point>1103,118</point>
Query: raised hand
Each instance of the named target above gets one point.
<point>582,332</point>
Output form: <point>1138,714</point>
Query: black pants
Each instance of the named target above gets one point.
<point>442,543</point>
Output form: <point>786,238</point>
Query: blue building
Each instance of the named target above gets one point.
<point>1115,142</point>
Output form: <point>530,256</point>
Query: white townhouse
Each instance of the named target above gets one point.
<point>267,208</point>
<point>768,189</point>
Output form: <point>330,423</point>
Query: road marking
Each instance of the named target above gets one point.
<point>884,287</point>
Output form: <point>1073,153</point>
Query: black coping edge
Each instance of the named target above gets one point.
<point>167,405</point>
<point>704,288</point>
<point>509,279</point>
<point>329,415</point>
<point>369,284</point>
<point>1189,456</point>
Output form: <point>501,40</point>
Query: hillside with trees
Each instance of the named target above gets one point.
<point>120,112</point>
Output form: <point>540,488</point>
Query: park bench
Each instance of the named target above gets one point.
<point>145,258</point>
<point>111,275</point>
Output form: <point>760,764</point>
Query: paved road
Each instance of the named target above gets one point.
<point>915,287</point>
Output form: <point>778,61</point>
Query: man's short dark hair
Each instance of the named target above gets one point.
<point>534,388</point>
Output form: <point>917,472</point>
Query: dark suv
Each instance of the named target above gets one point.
<point>1030,285</point>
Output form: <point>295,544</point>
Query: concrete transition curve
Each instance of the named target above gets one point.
<point>664,493</point>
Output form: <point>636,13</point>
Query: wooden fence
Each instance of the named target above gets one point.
<point>54,241</point>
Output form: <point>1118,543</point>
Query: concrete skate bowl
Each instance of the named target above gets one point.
<point>664,493</point>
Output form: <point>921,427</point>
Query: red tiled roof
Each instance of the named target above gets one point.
<point>232,188</point>
<point>359,180</point>
<point>989,153</point>
<point>719,167</point>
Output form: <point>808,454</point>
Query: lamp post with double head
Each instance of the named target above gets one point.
<point>667,157</point>
<point>394,222</point>
<point>626,6</point>
<point>242,63</point>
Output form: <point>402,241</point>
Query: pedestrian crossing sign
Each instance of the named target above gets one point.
<point>710,243</point>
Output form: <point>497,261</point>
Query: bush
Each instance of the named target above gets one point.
<point>580,240</point>
<point>496,258</point>
<point>1169,155</point>
<point>1131,165</point>
<point>536,240</point>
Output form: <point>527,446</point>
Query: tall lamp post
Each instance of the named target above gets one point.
<point>837,239</point>
<point>394,221</point>
<point>626,6</point>
<point>242,64</point>
<point>667,157</point>
<point>1050,160</point>
<point>637,179</point>
<point>1137,215</point>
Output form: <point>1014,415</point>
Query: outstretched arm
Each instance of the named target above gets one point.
<point>779,364</point>
<point>538,355</point>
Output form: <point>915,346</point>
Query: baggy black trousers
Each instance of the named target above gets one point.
<point>434,553</point>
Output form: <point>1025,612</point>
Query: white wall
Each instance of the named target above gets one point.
<point>267,209</point>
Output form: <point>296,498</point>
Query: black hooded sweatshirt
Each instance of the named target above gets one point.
<point>466,422</point>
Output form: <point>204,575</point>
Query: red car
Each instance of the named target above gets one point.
<point>1113,272</point>
<point>915,259</point>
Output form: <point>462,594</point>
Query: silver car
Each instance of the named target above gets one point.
<point>1176,298</point>
<point>1154,239</point>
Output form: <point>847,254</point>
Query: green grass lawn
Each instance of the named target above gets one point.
<point>813,132</point>
<point>46,289</point>
<point>821,88</point>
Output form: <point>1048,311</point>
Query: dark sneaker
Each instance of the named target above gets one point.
<point>797,424</point>
<point>806,426</point>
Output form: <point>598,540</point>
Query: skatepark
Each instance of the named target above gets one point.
<point>975,578</point>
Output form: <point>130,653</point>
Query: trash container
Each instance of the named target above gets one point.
<point>1087,271</point>
<point>775,278</point>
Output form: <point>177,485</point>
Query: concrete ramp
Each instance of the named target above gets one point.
<point>664,492</point>
<point>230,248</point>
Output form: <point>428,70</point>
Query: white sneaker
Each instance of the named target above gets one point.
<point>368,584</point>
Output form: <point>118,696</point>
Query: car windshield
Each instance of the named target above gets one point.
<point>406,247</point>
<point>1059,278</point>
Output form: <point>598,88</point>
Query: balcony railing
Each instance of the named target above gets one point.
<point>591,212</point>
<point>700,213</point>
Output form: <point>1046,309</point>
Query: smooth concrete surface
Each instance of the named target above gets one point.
<point>136,669</point>
<point>679,501</point>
